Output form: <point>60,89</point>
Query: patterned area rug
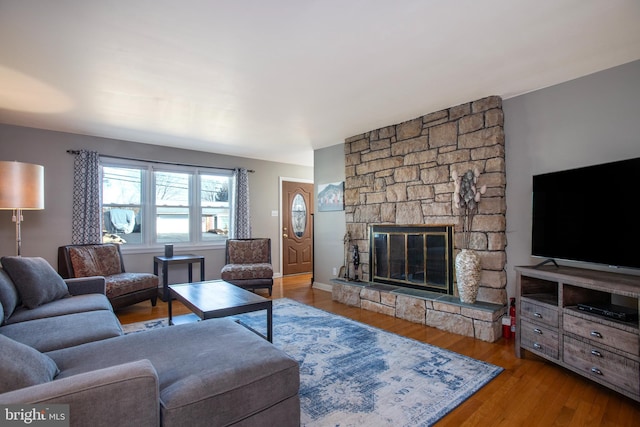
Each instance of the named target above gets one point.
<point>144,326</point>
<point>353,374</point>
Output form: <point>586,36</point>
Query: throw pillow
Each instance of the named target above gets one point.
<point>23,366</point>
<point>9,297</point>
<point>36,281</point>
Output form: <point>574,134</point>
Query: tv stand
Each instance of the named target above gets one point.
<point>547,261</point>
<point>551,325</point>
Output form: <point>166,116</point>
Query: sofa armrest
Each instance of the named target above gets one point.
<point>122,395</point>
<point>87,285</point>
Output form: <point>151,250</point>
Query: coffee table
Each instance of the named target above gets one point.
<point>217,298</point>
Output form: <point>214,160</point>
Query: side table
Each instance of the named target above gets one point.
<point>176,259</point>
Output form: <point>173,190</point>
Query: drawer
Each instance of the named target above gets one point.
<point>541,339</point>
<point>600,334</point>
<point>539,313</point>
<point>598,363</point>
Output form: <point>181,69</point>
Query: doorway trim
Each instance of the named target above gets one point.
<point>281,179</point>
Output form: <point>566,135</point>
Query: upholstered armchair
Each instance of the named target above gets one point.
<point>248,263</point>
<point>105,259</point>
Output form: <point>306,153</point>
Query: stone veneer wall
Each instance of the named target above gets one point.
<point>401,174</point>
<point>481,320</point>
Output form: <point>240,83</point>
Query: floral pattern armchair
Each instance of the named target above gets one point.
<point>106,260</point>
<point>248,263</point>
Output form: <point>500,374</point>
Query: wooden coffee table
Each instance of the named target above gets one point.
<point>217,298</point>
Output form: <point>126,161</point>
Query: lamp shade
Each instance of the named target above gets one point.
<point>21,186</point>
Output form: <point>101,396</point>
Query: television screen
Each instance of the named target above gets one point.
<point>589,214</point>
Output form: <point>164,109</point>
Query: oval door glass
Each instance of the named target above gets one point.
<point>298,215</point>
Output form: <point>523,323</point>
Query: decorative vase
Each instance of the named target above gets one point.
<point>468,275</point>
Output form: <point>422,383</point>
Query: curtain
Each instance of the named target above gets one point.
<point>86,227</point>
<point>240,227</point>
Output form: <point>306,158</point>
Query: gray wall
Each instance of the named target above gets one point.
<point>330,227</point>
<point>43,231</point>
<point>590,120</point>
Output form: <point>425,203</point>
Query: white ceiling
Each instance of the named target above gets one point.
<point>276,79</point>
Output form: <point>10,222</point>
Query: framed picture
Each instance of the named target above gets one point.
<point>331,197</point>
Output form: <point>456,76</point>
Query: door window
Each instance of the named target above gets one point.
<point>298,215</point>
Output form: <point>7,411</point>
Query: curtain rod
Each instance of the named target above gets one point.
<point>160,162</point>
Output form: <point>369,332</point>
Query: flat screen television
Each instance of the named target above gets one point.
<point>589,214</point>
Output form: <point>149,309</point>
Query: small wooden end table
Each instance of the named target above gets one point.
<point>176,259</point>
<point>217,298</point>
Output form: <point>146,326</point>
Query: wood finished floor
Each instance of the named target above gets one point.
<point>529,392</point>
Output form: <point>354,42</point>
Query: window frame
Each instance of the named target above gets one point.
<point>148,203</point>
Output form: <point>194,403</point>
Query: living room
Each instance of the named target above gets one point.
<point>586,121</point>
<point>583,120</point>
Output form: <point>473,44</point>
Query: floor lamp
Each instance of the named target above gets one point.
<point>21,188</point>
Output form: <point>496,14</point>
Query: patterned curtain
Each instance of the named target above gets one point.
<point>86,226</point>
<point>240,227</point>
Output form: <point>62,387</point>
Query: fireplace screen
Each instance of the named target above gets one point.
<point>412,256</point>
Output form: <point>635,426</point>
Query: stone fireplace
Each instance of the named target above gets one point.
<point>401,175</point>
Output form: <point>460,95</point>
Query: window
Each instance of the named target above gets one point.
<point>172,206</point>
<point>122,205</point>
<point>214,205</point>
<point>146,204</point>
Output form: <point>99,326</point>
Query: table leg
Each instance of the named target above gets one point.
<point>190,272</point>
<point>170,311</point>
<point>165,280</point>
<point>202,270</point>
<point>270,323</point>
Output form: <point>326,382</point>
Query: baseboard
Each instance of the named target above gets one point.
<point>322,286</point>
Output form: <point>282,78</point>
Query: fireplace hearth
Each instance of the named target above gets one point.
<point>412,256</point>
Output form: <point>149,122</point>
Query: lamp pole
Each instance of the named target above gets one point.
<point>17,218</point>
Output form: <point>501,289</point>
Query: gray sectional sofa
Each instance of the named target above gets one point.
<point>60,342</point>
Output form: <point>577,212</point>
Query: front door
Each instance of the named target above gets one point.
<point>297,229</point>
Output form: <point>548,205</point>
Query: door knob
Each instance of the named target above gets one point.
<point>285,236</point>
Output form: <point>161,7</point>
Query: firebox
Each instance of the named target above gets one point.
<point>413,256</point>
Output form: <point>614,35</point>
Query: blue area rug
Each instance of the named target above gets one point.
<point>353,374</point>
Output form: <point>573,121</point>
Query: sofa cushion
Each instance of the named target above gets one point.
<point>9,297</point>
<point>53,333</point>
<point>246,271</point>
<point>95,260</point>
<point>36,281</point>
<point>22,366</point>
<point>250,251</point>
<point>222,363</point>
<point>126,283</point>
<point>75,304</point>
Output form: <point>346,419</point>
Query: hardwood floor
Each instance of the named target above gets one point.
<point>529,392</point>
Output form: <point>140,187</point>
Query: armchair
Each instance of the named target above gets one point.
<point>248,263</point>
<point>105,259</point>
